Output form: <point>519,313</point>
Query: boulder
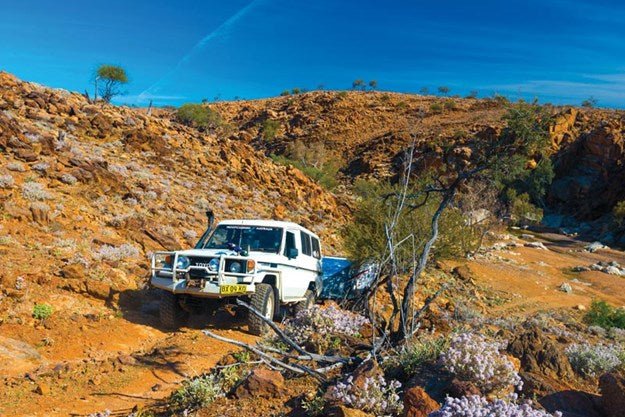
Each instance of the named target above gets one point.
<point>459,389</point>
<point>263,383</point>
<point>544,367</point>
<point>417,403</point>
<point>342,411</point>
<point>612,386</point>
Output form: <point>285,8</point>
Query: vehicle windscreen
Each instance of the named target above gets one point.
<point>252,238</point>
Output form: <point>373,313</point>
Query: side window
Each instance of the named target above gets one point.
<point>289,243</point>
<point>306,250</point>
<point>316,249</point>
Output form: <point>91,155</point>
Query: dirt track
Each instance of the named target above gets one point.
<point>112,363</point>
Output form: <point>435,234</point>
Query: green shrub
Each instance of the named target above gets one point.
<point>418,353</point>
<point>522,211</point>
<point>324,175</point>
<point>269,129</point>
<point>196,393</point>
<point>604,315</point>
<point>436,107</point>
<point>314,406</point>
<point>198,116</point>
<point>42,311</point>
<point>619,213</point>
<point>450,104</point>
<point>342,94</point>
<point>285,93</point>
<point>365,236</point>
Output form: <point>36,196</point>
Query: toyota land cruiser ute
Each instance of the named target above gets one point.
<point>273,265</point>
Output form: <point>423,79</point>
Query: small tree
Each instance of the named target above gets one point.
<point>424,91</point>
<point>472,94</point>
<point>590,102</point>
<point>358,84</point>
<point>108,81</point>
<point>373,84</point>
<point>444,90</point>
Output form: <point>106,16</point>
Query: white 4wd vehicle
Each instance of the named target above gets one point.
<point>273,264</point>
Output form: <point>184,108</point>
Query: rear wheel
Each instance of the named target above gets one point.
<point>263,300</point>
<point>171,313</point>
<point>305,304</point>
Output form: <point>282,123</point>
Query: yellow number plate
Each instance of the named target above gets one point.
<point>233,289</point>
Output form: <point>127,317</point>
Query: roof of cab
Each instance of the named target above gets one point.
<point>266,223</point>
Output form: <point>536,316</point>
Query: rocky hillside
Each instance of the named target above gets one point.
<point>86,191</point>
<point>370,131</point>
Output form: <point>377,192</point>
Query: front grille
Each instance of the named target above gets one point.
<point>200,273</point>
<point>199,261</point>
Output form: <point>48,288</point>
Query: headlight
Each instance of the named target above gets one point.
<point>162,260</point>
<point>213,265</point>
<point>235,267</point>
<point>183,262</point>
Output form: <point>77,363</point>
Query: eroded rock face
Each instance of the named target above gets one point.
<point>539,354</point>
<point>612,387</point>
<point>417,403</point>
<point>590,169</point>
<point>544,366</point>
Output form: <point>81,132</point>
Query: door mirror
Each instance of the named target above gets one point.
<point>292,253</point>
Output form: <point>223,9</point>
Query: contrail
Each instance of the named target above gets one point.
<point>220,30</point>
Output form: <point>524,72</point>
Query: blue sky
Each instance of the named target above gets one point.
<point>559,51</point>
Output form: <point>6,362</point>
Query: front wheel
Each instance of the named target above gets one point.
<point>170,311</point>
<point>263,300</point>
<point>308,302</point>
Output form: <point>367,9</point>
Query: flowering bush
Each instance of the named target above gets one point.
<point>324,321</point>
<point>34,191</point>
<point>473,358</point>
<point>6,181</point>
<point>376,396</point>
<point>197,392</point>
<point>116,254</point>
<point>590,360</point>
<point>68,179</point>
<point>476,406</point>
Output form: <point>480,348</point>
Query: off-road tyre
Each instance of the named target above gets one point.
<point>305,304</point>
<point>170,312</point>
<point>263,300</point>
